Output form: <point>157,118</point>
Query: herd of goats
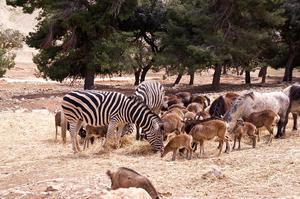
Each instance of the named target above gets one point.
<point>186,119</point>
<point>183,120</point>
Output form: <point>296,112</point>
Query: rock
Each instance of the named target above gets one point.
<point>213,174</point>
<point>131,192</point>
<point>50,188</point>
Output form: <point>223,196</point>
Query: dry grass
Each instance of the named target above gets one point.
<point>32,165</point>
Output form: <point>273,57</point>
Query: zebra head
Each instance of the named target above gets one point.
<point>155,134</point>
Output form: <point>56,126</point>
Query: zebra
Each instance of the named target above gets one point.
<point>152,94</point>
<point>112,109</point>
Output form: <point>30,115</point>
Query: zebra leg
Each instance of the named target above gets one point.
<point>138,136</point>
<point>78,126</point>
<point>111,136</point>
<point>74,128</point>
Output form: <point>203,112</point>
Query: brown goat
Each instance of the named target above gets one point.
<point>178,142</point>
<point>242,128</point>
<point>189,116</point>
<point>195,107</point>
<point>178,111</point>
<point>57,122</point>
<point>266,118</point>
<point>202,115</point>
<point>222,104</point>
<point>173,100</point>
<point>172,122</point>
<point>186,97</point>
<point>201,99</point>
<point>125,178</point>
<point>97,132</point>
<point>208,130</point>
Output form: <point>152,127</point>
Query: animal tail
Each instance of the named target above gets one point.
<point>63,127</point>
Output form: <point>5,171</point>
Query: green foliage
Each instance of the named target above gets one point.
<point>112,36</point>
<point>75,37</point>
<point>9,40</point>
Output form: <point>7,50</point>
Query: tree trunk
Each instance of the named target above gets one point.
<point>242,71</point>
<point>89,78</point>
<point>288,73</point>
<point>192,77</point>
<point>178,79</point>
<point>247,77</point>
<point>144,72</point>
<point>217,77</point>
<point>137,77</point>
<point>224,70</point>
<point>263,74</point>
<point>237,70</point>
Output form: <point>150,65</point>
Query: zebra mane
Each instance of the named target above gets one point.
<point>136,99</point>
<point>139,100</point>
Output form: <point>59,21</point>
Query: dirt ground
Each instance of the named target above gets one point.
<point>33,165</point>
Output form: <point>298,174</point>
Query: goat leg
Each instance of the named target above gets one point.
<point>271,136</point>
<point>258,137</point>
<point>55,133</point>
<point>174,154</point>
<point>239,140</point>
<point>227,147</point>
<point>233,147</point>
<point>254,141</point>
<point>221,147</point>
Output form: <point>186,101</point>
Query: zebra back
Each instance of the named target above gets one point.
<point>152,93</point>
<point>104,108</point>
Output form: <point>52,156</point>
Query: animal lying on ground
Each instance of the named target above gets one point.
<point>125,178</point>
<point>209,129</point>
<point>178,142</point>
<point>244,128</point>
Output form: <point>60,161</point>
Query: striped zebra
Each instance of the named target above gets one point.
<point>152,94</point>
<point>113,109</point>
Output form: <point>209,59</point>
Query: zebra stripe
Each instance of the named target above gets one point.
<point>152,94</point>
<point>112,109</point>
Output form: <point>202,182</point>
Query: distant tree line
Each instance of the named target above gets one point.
<point>82,38</point>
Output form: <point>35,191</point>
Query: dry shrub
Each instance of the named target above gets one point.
<point>126,141</point>
<point>139,148</point>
